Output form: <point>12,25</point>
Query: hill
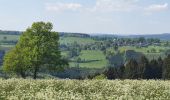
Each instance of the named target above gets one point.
<point>90,53</point>
<point>163,36</point>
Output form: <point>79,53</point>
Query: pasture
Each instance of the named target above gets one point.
<point>91,59</point>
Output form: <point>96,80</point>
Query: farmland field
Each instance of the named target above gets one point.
<point>143,49</point>
<point>91,61</point>
<point>9,37</point>
<point>53,89</point>
<point>79,40</point>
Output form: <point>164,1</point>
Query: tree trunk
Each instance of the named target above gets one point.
<point>35,73</point>
<point>23,75</point>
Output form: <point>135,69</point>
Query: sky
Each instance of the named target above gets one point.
<point>89,16</point>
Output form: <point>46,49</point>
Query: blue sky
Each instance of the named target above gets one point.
<point>89,16</point>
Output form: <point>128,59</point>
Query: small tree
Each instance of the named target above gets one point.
<point>111,73</point>
<point>131,68</point>
<point>143,65</point>
<point>16,62</point>
<point>116,47</point>
<point>160,67</point>
<point>156,71</point>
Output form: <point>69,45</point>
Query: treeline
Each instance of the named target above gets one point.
<point>10,32</point>
<point>144,69</point>
<point>129,40</point>
<point>65,34</point>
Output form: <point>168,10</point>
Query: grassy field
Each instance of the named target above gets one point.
<point>143,49</point>
<point>52,89</point>
<point>92,58</point>
<point>9,37</point>
<point>79,40</point>
<point>6,47</point>
<point>147,51</point>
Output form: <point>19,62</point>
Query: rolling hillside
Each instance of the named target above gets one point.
<point>90,58</point>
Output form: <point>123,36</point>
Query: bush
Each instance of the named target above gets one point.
<point>100,77</point>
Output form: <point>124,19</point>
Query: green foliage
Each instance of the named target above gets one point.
<point>143,69</point>
<point>143,65</point>
<point>100,77</point>
<point>16,62</point>
<point>166,68</point>
<point>131,69</point>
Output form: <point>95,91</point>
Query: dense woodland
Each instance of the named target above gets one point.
<point>82,56</point>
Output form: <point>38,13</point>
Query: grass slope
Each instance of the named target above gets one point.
<point>65,40</point>
<point>92,58</point>
<point>9,37</point>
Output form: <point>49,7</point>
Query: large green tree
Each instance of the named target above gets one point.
<point>40,46</point>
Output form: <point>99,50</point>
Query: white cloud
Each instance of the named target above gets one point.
<point>156,8</point>
<point>107,6</point>
<point>114,5</point>
<point>100,6</point>
<point>59,7</point>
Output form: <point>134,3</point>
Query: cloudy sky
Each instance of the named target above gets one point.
<point>89,16</point>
